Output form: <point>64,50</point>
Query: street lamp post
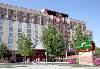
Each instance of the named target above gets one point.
<point>66,47</point>
<point>46,57</point>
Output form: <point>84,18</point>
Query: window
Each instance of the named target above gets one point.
<point>19,29</point>
<point>28,30</point>
<point>1,34</point>
<point>0,10</point>
<point>19,34</point>
<point>1,22</point>
<point>29,35</point>
<point>36,26</point>
<point>0,40</point>
<point>1,16</point>
<point>10,26</point>
<point>61,30</point>
<point>10,29</point>
<point>10,46</point>
<point>9,17</point>
<point>10,41</point>
<point>36,31</point>
<point>4,10</point>
<point>50,20</point>
<point>10,35</point>
<point>36,19</point>
<point>10,13</point>
<point>1,28</point>
<point>27,20</point>
<point>36,36</point>
<point>71,24</point>
<point>10,23</point>
<point>36,42</point>
<point>42,20</point>
<point>20,24</point>
<point>28,25</point>
<point>27,17</point>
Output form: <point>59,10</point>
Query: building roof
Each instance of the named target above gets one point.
<point>51,12</point>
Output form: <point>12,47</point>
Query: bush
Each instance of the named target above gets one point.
<point>71,61</point>
<point>97,62</point>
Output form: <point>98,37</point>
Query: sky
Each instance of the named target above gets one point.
<point>86,10</point>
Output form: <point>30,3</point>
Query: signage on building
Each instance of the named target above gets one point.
<point>86,46</point>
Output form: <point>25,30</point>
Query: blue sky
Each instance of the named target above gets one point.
<point>86,10</point>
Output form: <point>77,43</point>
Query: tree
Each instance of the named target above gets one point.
<point>53,42</point>
<point>80,40</point>
<point>97,51</point>
<point>25,47</point>
<point>4,52</point>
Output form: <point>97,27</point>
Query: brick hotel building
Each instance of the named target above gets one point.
<point>15,20</point>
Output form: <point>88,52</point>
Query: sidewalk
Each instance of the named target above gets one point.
<point>51,67</point>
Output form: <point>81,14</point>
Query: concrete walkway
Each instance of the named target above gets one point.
<point>35,66</point>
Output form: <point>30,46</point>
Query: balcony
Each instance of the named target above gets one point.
<point>3,11</point>
<point>43,20</point>
<point>36,19</point>
<point>12,14</point>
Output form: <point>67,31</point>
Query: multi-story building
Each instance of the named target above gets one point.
<point>16,20</point>
<point>90,34</point>
<point>73,25</point>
